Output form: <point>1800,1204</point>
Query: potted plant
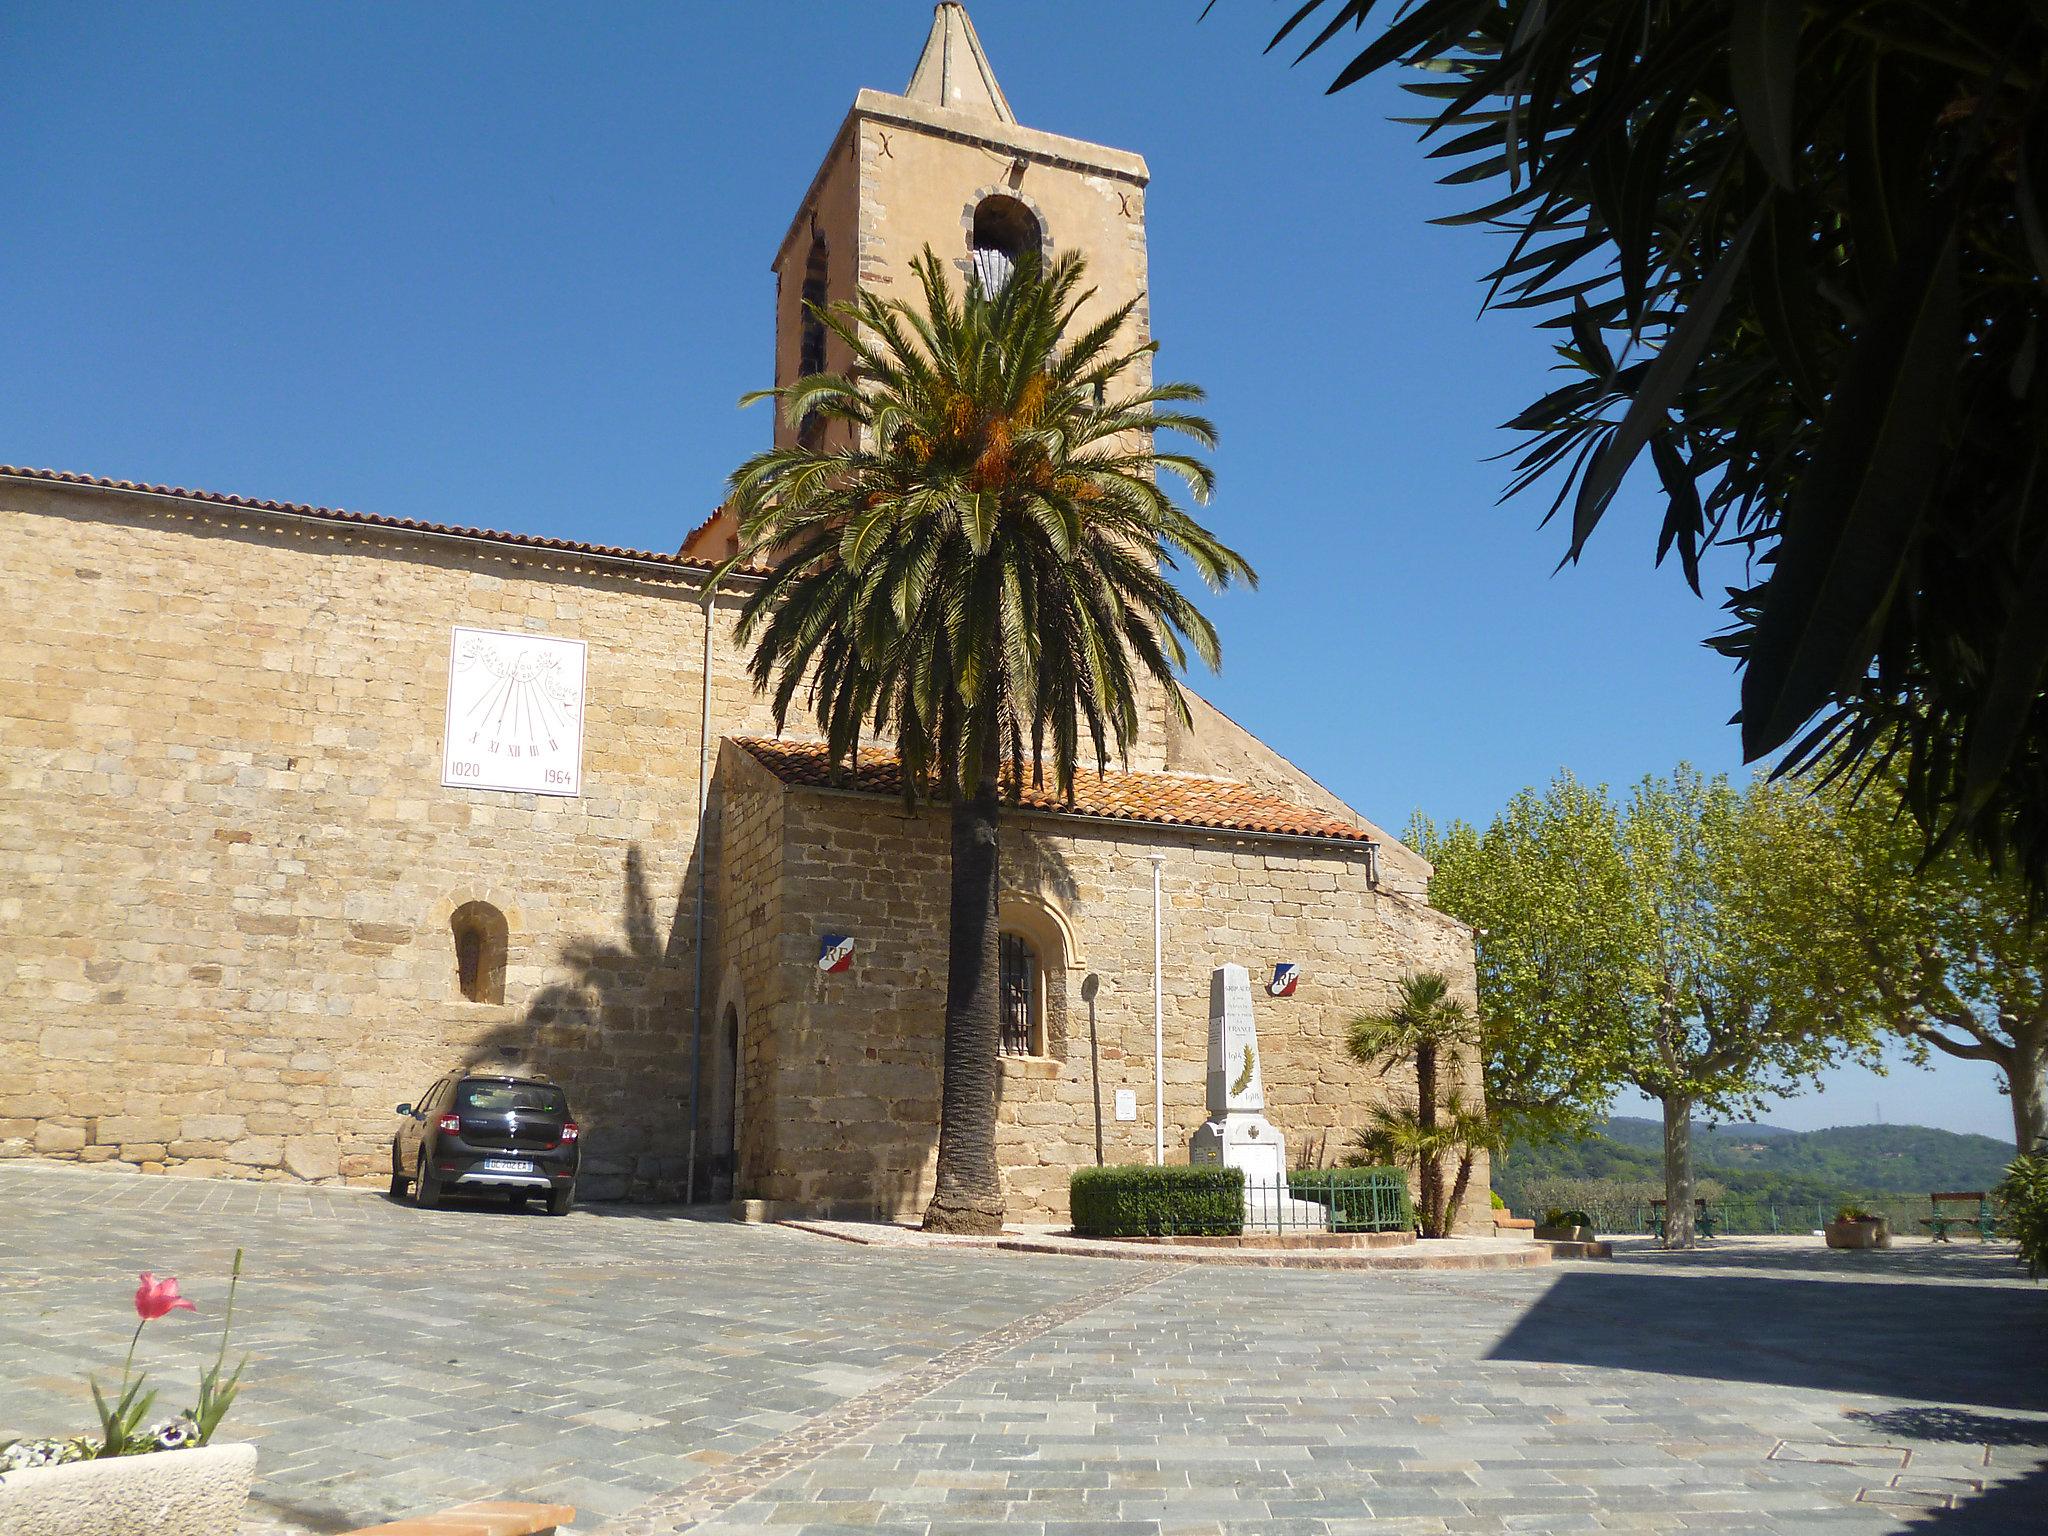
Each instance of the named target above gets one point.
<point>137,1476</point>
<point>1854,1227</point>
<point>1565,1226</point>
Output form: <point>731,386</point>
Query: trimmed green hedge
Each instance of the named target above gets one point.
<point>1142,1201</point>
<point>1360,1199</point>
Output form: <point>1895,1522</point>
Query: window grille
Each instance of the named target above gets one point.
<point>1018,995</point>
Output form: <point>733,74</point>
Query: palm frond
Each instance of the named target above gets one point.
<point>981,573</point>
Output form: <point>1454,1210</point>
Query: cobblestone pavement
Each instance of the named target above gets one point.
<point>666,1374</point>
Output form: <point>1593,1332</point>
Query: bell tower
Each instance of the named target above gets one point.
<point>946,164</point>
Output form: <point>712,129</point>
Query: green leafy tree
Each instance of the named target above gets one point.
<point>1658,943</point>
<point>1544,889</point>
<point>980,571</point>
<point>1794,255</point>
<point>1722,1021</point>
<point>1947,951</point>
<point>1433,1030</point>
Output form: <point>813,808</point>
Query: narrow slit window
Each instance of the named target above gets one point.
<point>810,431</point>
<point>480,935</point>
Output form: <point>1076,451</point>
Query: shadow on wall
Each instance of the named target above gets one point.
<point>1950,1343</point>
<point>614,1030</point>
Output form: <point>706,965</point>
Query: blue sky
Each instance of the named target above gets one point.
<point>508,265</point>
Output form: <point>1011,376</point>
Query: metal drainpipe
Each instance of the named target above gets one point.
<point>703,874</point>
<point>1090,986</point>
<point>1158,1026</point>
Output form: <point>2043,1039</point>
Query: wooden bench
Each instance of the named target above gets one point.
<point>490,1517</point>
<point>1978,1204</point>
<point>1704,1221</point>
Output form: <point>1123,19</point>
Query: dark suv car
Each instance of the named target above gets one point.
<point>472,1132</point>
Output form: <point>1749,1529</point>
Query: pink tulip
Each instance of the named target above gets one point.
<point>154,1297</point>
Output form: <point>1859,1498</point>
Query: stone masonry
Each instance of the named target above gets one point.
<point>862,1050</point>
<point>227,864</point>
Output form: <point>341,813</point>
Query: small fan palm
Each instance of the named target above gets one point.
<point>980,573</point>
<point>1426,1025</point>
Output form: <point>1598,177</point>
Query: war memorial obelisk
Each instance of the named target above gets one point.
<point>1237,1133</point>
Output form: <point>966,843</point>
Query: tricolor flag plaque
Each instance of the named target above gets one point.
<point>835,953</point>
<point>1285,975</point>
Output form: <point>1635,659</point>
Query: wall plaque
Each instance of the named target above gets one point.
<point>1127,1103</point>
<point>515,713</point>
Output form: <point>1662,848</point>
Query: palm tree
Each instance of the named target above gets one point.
<point>1427,1026</point>
<point>978,567</point>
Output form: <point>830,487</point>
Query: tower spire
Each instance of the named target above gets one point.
<point>953,72</point>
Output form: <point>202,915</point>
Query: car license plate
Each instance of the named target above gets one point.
<point>507,1165</point>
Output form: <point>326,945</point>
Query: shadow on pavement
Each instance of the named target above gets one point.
<point>1911,1259</point>
<point>2004,1509</point>
<point>2006,1505</point>
<point>1952,1426</point>
<point>498,1205</point>
<point>1941,1342</point>
<point>719,1212</point>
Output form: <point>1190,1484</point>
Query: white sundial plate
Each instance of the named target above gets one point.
<point>515,713</point>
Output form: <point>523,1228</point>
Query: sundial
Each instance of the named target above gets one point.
<point>515,713</point>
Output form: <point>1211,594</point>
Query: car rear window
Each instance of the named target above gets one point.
<point>527,1098</point>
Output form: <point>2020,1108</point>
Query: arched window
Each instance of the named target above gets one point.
<point>480,941</point>
<point>1021,997</point>
<point>811,349</point>
<point>1004,231</point>
<point>811,333</point>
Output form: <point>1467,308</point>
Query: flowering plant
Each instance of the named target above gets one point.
<point>124,1430</point>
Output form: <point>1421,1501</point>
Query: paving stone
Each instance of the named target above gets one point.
<point>671,1375</point>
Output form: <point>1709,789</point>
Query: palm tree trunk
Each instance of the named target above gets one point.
<point>1430,1175</point>
<point>1463,1182</point>
<point>968,1191</point>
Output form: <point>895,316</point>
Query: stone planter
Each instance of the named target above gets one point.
<point>1574,1234</point>
<point>199,1492</point>
<point>1874,1233</point>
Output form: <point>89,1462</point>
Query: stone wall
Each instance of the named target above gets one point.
<point>227,863</point>
<point>862,1051</point>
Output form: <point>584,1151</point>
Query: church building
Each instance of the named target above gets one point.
<point>303,808</point>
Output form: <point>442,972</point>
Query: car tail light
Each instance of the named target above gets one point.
<point>450,1125</point>
<point>570,1131</point>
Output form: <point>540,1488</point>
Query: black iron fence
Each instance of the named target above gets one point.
<point>1330,1200</point>
<point>1753,1218</point>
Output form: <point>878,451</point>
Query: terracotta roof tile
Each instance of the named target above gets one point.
<point>1165,799</point>
<point>361,519</point>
